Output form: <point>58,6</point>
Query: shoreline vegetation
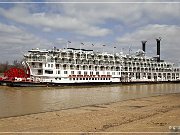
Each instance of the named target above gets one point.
<point>150,114</point>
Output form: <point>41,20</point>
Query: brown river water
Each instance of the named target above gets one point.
<point>22,101</point>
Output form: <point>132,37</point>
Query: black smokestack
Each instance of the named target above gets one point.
<point>158,48</point>
<point>144,45</point>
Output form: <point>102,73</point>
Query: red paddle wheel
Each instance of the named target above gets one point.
<point>16,72</point>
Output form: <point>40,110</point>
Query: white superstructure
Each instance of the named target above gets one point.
<point>72,65</point>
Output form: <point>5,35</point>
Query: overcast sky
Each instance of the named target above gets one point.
<point>122,25</point>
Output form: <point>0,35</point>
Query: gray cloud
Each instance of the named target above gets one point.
<point>129,14</point>
<point>15,41</point>
<point>86,19</point>
<point>56,21</point>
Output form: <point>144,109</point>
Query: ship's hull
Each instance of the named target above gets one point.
<point>45,84</point>
<point>22,84</point>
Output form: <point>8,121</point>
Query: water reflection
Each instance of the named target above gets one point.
<point>20,101</point>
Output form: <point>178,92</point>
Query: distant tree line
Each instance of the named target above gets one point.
<point>5,66</point>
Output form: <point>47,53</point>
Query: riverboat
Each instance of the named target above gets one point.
<point>72,66</point>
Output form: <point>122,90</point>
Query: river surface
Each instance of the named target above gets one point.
<point>21,101</point>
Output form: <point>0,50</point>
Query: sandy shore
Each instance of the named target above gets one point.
<point>152,114</point>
